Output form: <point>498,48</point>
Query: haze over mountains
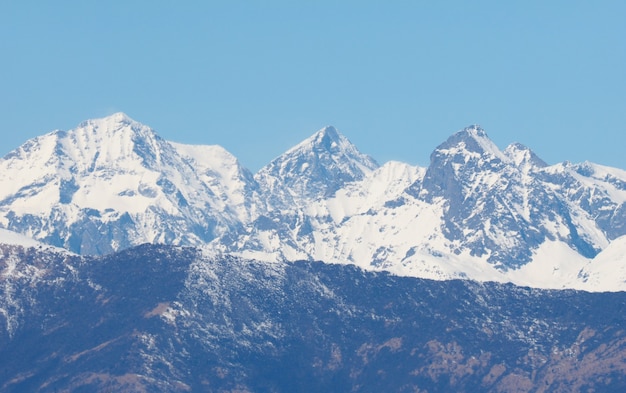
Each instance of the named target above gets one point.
<point>476,212</point>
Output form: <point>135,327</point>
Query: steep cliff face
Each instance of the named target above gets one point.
<point>163,318</point>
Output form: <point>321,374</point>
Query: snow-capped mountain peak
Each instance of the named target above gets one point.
<point>315,168</point>
<point>113,182</point>
<point>114,139</point>
<point>328,134</point>
<point>111,121</point>
<point>470,141</point>
<point>328,144</point>
<point>455,163</point>
<point>114,125</point>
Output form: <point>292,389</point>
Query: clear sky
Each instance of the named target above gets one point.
<point>396,77</point>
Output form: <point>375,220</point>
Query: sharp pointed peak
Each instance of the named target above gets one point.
<point>325,138</point>
<point>326,133</point>
<point>328,130</point>
<point>471,139</point>
<point>326,145</point>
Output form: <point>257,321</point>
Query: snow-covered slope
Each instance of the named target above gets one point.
<point>305,233</point>
<point>13,241</point>
<point>598,190</point>
<point>222,173</point>
<point>17,239</point>
<point>112,183</point>
<point>476,212</point>
<point>607,271</point>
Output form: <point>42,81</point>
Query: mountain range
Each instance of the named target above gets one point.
<point>476,212</point>
<point>129,263</point>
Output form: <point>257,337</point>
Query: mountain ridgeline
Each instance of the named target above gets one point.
<point>476,212</point>
<point>158,318</point>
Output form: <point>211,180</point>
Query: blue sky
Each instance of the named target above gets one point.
<point>396,77</point>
